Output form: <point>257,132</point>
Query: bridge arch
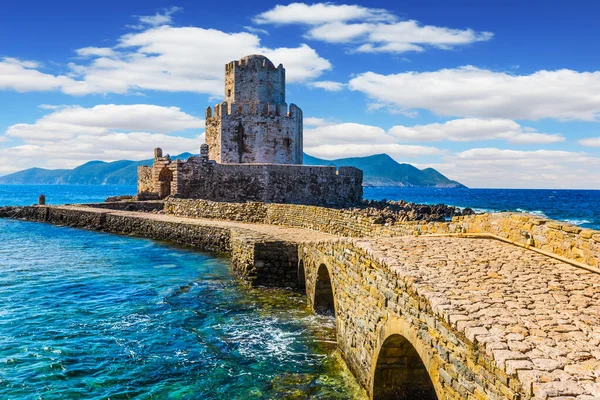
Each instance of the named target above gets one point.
<point>301,275</point>
<point>324,295</point>
<point>402,366</point>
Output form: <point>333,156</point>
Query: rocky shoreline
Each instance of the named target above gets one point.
<point>390,212</point>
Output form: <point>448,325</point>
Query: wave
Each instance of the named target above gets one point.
<point>537,213</point>
<point>577,221</point>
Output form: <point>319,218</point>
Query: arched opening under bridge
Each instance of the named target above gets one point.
<point>323,301</point>
<point>400,373</point>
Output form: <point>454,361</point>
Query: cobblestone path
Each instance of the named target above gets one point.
<point>539,318</point>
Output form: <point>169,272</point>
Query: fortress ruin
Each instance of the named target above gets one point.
<point>253,150</point>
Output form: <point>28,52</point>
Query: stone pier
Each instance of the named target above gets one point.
<point>500,315</point>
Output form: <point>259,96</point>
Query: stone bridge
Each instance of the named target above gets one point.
<point>458,318</point>
<point>417,316</point>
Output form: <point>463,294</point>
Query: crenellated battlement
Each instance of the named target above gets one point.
<point>263,109</point>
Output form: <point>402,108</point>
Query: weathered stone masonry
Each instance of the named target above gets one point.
<point>253,124</point>
<point>269,183</point>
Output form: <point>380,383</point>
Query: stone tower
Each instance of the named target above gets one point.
<point>254,124</point>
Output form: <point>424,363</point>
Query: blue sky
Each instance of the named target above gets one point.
<point>493,94</point>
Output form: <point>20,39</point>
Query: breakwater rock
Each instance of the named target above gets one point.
<point>390,212</point>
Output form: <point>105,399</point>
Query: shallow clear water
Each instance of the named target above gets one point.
<point>96,316</point>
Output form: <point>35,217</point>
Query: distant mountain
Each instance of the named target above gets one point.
<point>383,170</point>
<point>91,173</point>
<point>379,170</point>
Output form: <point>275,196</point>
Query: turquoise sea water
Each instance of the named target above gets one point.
<point>89,315</point>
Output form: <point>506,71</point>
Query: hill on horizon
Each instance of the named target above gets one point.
<point>379,170</point>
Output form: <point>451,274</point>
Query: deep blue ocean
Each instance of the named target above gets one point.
<point>96,316</point>
<point>579,207</point>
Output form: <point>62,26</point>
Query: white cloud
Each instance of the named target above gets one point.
<point>493,167</point>
<point>320,13</point>
<point>473,92</point>
<point>301,63</point>
<point>70,136</point>
<point>345,133</point>
<point>590,142</point>
<point>95,52</point>
<point>316,122</point>
<point>458,130</point>
<point>473,129</point>
<point>69,122</point>
<point>330,86</point>
<point>331,140</point>
<point>23,76</point>
<point>163,58</point>
<point>369,29</point>
<point>162,17</point>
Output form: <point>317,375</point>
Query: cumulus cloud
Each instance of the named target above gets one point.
<point>24,76</point>
<point>162,58</point>
<point>330,86</point>
<point>316,122</point>
<point>474,92</point>
<point>369,29</point>
<point>493,167</point>
<point>320,13</point>
<point>162,17</point>
<point>321,131</point>
<point>70,136</point>
<point>590,142</point>
<point>68,122</point>
<point>95,52</point>
<point>473,129</point>
<point>331,140</point>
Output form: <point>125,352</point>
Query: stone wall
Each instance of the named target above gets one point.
<point>143,206</point>
<point>373,306</point>
<point>269,183</point>
<point>561,239</point>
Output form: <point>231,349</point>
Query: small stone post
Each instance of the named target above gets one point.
<point>42,200</point>
<point>157,153</point>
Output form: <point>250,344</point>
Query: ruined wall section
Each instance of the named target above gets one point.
<point>145,184</point>
<point>269,183</point>
<point>159,180</point>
